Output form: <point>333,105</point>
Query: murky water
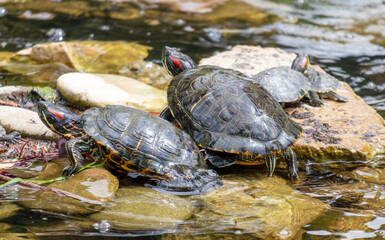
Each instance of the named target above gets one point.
<point>346,38</point>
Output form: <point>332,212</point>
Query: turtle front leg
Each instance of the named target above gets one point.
<point>13,137</point>
<point>314,98</point>
<point>291,160</point>
<point>271,162</point>
<point>75,148</point>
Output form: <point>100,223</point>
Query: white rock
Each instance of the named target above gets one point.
<point>99,90</point>
<point>26,122</point>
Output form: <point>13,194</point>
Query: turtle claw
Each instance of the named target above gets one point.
<point>291,160</point>
<point>13,137</point>
<point>68,171</point>
<point>271,163</point>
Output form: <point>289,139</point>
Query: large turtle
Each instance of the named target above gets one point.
<point>231,116</point>
<point>132,141</point>
<point>323,84</point>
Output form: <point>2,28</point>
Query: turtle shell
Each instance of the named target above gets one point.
<point>223,110</point>
<point>135,141</point>
<point>321,82</point>
<point>283,83</point>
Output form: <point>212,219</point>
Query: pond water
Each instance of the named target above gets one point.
<point>346,38</point>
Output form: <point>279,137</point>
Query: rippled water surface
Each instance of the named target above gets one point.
<point>346,38</point>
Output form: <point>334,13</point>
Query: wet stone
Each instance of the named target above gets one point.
<point>140,208</point>
<point>94,184</point>
<point>252,203</point>
<point>8,209</point>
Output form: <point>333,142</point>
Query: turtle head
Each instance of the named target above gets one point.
<point>175,61</point>
<point>301,62</point>
<point>60,120</point>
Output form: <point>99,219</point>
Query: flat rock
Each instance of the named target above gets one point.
<point>13,92</point>
<point>26,122</point>
<point>100,90</point>
<point>140,208</point>
<point>347,131</point>
<point>264,207</point>
<point>95,184</point>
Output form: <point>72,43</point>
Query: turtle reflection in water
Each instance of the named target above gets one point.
<point>133,141</point>
<point>228,114</point>
<point>289,85</point>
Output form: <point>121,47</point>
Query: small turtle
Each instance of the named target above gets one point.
<point>288,85</point>
<point>132,141</point>
<point>323,84</point>
<point>228,114</point>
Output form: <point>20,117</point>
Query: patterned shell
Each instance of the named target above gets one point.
<point>283,83</point>
<point>321,81</point>
<point>133,140</point>
<point>224,110</point>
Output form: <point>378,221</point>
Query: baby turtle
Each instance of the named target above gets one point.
<point>323,84</point>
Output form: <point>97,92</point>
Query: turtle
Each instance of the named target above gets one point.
<point>323,84</point>
<point>288,84</point>
<point>230,116</point>
<point>132,142</point>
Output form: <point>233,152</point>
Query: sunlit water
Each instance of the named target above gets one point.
<point>346,38</point>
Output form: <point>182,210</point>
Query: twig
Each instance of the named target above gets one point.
<point>22,148</point>
<point>12,104</point>
<point>58,191</point>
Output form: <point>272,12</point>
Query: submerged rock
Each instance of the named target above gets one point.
<point>8,209</point>
<point>140,208</point>
<point>100,90</point>
<point>264,207</point>
<point>347,131</point>
<point>95,184</point>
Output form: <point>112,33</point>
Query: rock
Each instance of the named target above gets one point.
<point>26,122</point>
<point>250,60</point>
<point>13,92</point>
<point>140,208</point>
<point>95,184</point>
<point>99,90</point>
<point>8,209</point>
<point>370,175</point>
<point>147,72</point>
<point>342,224</point>
<point>47,61</point>
<point>5,56</point>
<point>347,131</point>
<point>265,207</point>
